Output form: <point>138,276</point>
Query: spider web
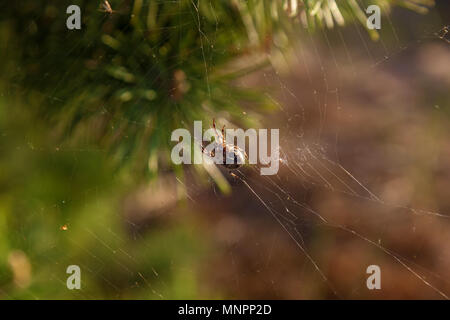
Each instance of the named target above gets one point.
<point>311,159</point>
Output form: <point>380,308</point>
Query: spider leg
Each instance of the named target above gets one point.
<point>209,154</point>
<point>236,148</point>
<point>224,147</point>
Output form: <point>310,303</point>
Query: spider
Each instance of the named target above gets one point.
<point>106,7</point>
<point>235,155</point>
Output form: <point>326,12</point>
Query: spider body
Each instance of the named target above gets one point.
<point>233,156</point>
